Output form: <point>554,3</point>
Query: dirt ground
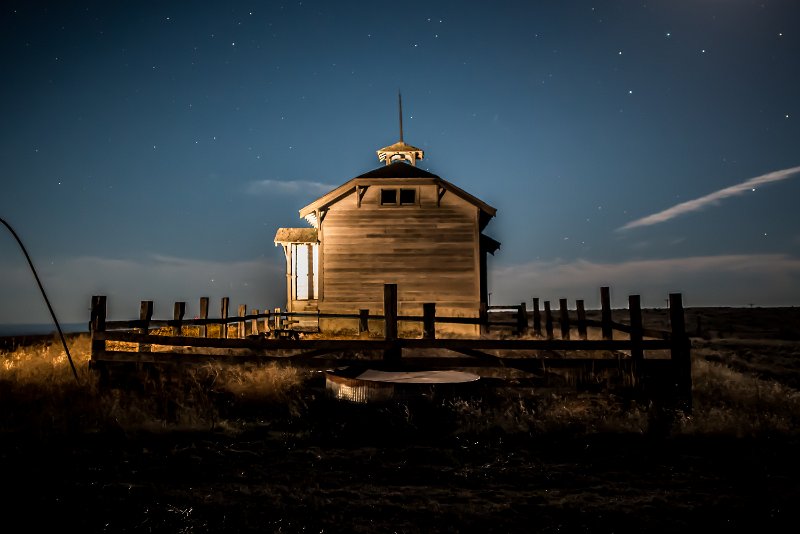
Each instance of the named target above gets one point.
<point>276,483</point>
<point>432,466</point>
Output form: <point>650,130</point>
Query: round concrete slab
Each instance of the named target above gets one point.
<point>375,386</point>
<point>418,377</point>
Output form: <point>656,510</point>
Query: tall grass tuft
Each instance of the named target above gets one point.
<point>38,392</point>
<point>547,413</point>
<point>39,396</point>
<point>730,402</point>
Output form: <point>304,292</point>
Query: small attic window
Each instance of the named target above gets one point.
<point>408,196</point>
<point>398,197</point>
<point>388,197</point>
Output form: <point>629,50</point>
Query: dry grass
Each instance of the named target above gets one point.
<point>39,394</point>
<point>725,402</point>
<point>734,403</point>
<point>547,414</point>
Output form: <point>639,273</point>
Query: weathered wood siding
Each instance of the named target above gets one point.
<point>430,251</point>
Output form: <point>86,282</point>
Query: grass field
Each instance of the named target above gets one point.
<point>261,448</point>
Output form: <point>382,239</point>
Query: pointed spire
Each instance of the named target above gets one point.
<point>400,151</point>
<point>400,108</point>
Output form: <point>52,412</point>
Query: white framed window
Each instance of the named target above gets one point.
<point>305,268</point>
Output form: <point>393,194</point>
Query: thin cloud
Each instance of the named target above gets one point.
<point>291,187</point>
<point>700,203</point>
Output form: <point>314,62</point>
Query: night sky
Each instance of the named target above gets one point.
<point>150,149</point>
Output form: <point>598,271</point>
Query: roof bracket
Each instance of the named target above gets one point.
<point>360,191</point>
<point>439,194</point>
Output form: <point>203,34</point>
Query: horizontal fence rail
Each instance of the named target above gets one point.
<point>268,336</point>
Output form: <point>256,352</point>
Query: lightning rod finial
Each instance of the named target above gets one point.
<point>400,111</point>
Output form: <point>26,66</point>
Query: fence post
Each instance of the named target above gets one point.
<point>178,311</point>
<point>363,322</point>
<point>548,320</point>
<point>564,318</point>
<point>605,315</point>
<point>203,315</point>
<point>277,319</point>
<point>223,313</point>
<point>145,315</point>
<point>254,323</point>
<point>429,320</point>
<point>537,319</point>
<point>522,319</point>
<point>98,324</point>
<point>242,324</point>
<point>581,318</point>
<point>393,353</point>
<point>681,353</point>
<point>637,354</point>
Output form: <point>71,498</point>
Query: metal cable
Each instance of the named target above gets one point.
<point>47,301</point>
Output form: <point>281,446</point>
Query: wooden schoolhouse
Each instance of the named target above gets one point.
<point>396,224</point>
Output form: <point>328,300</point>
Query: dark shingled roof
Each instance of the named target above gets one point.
<point>398,169</point>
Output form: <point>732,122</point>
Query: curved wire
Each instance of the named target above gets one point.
<point>47,301</point>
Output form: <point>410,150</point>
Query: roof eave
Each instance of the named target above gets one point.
<point>348,187</point>
<point>328,198</point>
<point>484,207</point>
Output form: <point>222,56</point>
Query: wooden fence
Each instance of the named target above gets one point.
<point>262,337</point>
